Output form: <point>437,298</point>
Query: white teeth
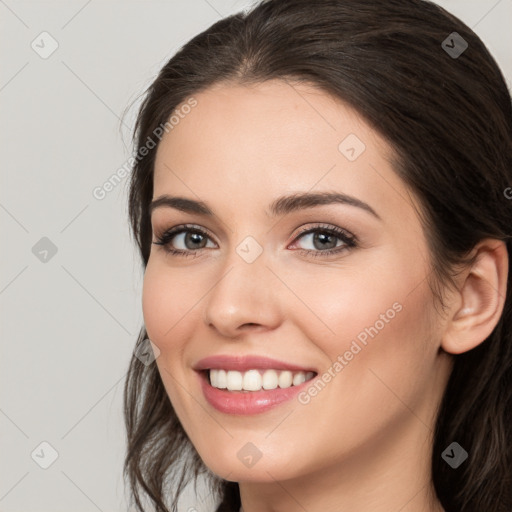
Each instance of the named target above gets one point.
<point>222,381</point>
<point>299,378</point>
<point>214,378</point>
<point>252,380</point>
<point>255,380</point>
<point>270,380</point>
<point>234,381</point>
<point>285,379</point>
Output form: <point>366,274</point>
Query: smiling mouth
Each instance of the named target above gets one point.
<point>256,379</point>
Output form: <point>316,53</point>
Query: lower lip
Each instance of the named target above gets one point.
<point>247,402</point>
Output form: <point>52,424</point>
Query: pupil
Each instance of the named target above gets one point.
<point>323,238</point>
<point>194,237</point>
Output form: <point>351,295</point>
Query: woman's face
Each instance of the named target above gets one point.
<point>348,301</point>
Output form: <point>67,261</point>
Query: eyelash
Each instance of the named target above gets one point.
<point>346,237</point>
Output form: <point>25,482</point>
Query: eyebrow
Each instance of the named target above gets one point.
<point>281,206</point>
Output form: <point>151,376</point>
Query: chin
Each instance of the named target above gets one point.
<point>260,470</point>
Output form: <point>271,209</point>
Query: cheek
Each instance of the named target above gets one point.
<point>383,366</point>
<point>167,306</point>
<point>167,303</point>
<point>374,319</point>
<point>387,355</point>
<point>356,304</point>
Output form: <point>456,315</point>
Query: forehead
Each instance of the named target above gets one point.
<point>276,117</point>
<point>270,137</point>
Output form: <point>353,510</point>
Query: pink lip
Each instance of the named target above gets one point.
<point>247,402</point>
<point>244,363</point>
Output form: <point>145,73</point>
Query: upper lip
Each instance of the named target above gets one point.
<point>247,362</point>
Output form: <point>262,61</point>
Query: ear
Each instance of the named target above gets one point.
<point>480,298</point>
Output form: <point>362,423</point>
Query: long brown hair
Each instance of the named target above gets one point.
<point>448,118</point>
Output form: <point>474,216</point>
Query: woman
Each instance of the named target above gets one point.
<point>319,199</point>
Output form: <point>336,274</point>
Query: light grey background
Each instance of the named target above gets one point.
<point>69,323</point>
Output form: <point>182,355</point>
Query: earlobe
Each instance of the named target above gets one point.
<point>481,298</point>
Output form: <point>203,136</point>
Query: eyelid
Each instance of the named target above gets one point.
<point>326,227</point>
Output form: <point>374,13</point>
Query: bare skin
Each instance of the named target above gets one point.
<point>363,443</point>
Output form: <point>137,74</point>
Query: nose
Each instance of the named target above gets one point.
<point>243,299</point>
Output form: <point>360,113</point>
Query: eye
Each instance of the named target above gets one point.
<point>326,240</point>
<point>191,237</point>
